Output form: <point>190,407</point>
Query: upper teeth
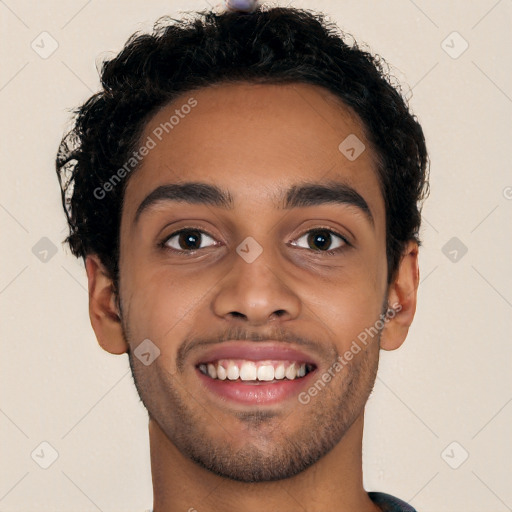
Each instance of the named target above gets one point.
<point>250,370</point>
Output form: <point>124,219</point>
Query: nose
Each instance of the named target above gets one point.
<point>257,293</point>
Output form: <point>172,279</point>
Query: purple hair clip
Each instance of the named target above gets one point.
<point>241,5</point>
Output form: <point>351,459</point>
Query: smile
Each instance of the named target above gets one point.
<point>254,374</point>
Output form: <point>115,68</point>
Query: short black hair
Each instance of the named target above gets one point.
<point>270,46</point>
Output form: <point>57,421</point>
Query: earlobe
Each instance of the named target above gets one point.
<point>103,309</point>
<point>402,297</point>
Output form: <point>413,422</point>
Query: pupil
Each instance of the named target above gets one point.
<point>189,239</point>
<point>320,238</point>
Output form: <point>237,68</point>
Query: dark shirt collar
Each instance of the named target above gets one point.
<point>389,503</point>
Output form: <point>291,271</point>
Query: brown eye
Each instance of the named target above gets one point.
<point>187,240</point>
<point>321,240</point>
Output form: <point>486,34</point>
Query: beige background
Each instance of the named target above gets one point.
<point>450,382</point>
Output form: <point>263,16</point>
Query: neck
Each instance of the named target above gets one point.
<point>334,483</point>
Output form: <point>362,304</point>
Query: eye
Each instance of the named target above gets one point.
<point>320,240</point>
<point>186,240</point>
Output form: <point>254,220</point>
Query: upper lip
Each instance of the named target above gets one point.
<point>253,350</point>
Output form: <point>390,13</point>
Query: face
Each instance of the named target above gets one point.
<point>253,281</point>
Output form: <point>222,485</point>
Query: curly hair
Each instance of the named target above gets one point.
<point>274,46</point>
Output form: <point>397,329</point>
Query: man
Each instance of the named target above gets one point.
<point>245,193</point>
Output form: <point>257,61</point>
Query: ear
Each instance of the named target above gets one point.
<point>103,310</point>
<point>402,295</point>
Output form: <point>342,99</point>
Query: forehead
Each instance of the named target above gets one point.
<point>254,140</point>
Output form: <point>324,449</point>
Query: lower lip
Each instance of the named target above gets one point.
<point>251,393</point>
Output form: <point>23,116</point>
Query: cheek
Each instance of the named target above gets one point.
<point>350,304</point>
<point>161,306</point>
<point>349,313</point>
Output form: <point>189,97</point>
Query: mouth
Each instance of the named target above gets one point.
<point>254,373</point>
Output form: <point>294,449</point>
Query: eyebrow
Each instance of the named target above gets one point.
<point>297,196</point>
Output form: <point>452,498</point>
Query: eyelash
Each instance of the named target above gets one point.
<point>182,252</point>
